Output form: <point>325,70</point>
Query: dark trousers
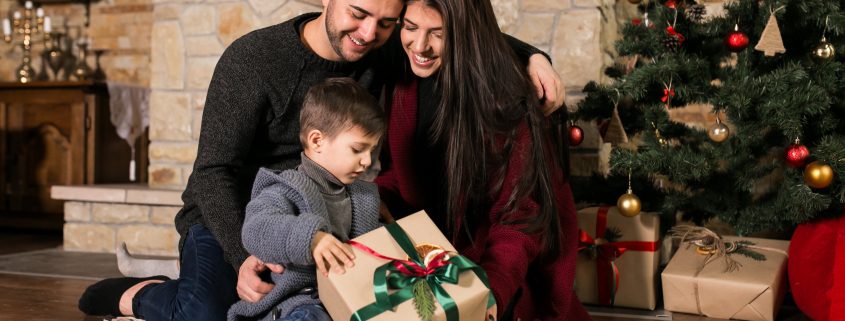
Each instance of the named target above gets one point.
<point>204,291</point>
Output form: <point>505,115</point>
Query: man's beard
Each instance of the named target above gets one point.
<point>335,39</point>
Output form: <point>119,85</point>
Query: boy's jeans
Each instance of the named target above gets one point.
<point>308,312</point>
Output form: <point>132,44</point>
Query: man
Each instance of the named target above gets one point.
<point>250,121</point>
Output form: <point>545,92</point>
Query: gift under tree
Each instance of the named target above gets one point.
<point>773,156</point>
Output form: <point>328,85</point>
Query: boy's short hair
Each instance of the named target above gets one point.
<point>337,104</point>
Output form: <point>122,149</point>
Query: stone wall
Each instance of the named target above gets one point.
<point>99,227</point>
<point>120,28</point>
<point>190,36</point>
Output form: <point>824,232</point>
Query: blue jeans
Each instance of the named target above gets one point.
<point>204,291</point>
<point>308,312</point>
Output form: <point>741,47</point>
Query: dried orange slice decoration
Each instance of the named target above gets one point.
<point>429,251</point>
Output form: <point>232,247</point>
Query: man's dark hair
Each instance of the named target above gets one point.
<point>337,104</point>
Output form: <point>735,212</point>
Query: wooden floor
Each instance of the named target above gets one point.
<point>44,298</point>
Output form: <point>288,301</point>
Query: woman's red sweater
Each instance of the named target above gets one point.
<point>505,252</point>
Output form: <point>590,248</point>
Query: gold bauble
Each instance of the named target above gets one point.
<point>824,51</point>
<point>635,1</point>
<point>719,132</point>
<point>629,204</point>
<point>818,175</point>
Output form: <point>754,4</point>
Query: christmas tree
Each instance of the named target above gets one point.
<point>775,155</point>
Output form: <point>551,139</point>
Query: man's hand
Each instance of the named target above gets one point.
<point>330,253</point>
<point>547,82</point>
<point>250,286</point>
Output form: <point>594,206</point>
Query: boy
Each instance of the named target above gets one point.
<point>300,217</point>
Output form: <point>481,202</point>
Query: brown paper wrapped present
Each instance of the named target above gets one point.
<point>747,284</point>
<point>618,258</point>
<point>345,294</point>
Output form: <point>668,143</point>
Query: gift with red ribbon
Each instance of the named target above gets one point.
<point>617,263</point>
<point>393,265</point>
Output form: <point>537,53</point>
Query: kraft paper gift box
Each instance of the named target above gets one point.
<point>753,291</point>
<point>345,294</point>
<point>615,247</point>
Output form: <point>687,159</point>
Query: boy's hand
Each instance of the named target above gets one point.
<point>330,253</point>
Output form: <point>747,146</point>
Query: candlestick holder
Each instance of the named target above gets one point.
<point>27,26</point>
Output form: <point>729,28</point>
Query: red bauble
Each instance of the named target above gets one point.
<point>816,268</point>
<point>796,155</point>
<point>576,135</point>
<point>671,4</point>
<point>736,40</point>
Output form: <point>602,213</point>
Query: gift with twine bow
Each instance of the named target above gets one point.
<point>725,277</point>
<point>407,275</point>
<point>617,261</point>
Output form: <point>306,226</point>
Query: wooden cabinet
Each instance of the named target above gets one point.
<point>56,133</point>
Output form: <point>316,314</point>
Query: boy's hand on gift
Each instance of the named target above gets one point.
<point>330,253</point>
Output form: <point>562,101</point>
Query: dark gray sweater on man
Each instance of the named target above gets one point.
<point>285,212</point>
<point>251,120</point>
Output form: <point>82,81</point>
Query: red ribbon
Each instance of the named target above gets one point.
<point>407,267</point>
<point>671,31</point>
<point>667,93</point>
<point>607,253</point>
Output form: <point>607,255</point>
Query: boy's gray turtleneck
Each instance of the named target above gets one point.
<point>335,194</point>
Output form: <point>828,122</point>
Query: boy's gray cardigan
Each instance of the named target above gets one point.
<point>285,211</point>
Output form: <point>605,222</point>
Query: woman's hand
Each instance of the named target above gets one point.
<point>547,82</point>
<point>330,253</point>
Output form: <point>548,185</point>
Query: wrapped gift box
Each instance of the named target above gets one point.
<point>633,253</point>
<point>345,294</point>
<point>754,291</point>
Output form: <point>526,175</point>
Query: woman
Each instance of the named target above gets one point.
<point>476,154</point>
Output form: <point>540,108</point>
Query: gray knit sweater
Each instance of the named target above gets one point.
<point>285,211</point>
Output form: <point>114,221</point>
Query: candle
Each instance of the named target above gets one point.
<point>27,5</point>
<point>39,12</point>
<point>7,27</point>
<point>48,26</point>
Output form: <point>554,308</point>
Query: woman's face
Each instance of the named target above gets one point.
<point>422,38</point>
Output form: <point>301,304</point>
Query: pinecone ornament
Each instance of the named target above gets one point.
<point>671,43</point>
<point>696,13</point>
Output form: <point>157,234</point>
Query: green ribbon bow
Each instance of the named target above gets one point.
<point>399,275</point>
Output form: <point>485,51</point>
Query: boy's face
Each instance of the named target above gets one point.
<point>346,156</point>
<point>355,27</point>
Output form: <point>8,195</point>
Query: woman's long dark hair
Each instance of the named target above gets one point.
<point>486,94</point>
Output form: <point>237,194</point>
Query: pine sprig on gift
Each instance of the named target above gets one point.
<point>742,249</point>
<point>423,300</point>
<point>613,234</point>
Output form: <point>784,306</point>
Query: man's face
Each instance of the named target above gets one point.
<point>355,27</point>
